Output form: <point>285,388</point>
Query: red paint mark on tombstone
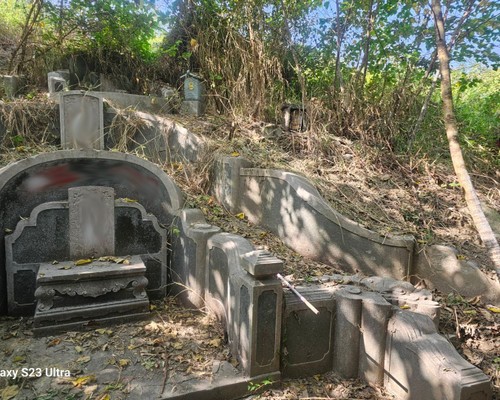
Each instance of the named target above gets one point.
<point>60,175</point>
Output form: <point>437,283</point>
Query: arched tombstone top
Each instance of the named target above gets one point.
<point>47,177</point>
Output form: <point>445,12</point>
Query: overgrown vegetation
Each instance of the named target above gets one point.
<point>366,70</point>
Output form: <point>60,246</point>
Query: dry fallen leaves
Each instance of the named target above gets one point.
<point>83,261</point>
<point>9,392</point>
<point>83,380</point>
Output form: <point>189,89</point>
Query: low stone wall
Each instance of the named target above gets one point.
<point>167,141</point>
<point>359,333</point>
<point>378,329</point>
<point>154,104</point>
<point>290,207</point>
<point>223,273</point>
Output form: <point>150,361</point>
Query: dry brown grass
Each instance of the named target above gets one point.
<point>29,127</point>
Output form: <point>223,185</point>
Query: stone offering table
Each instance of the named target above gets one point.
<point>71,296</point>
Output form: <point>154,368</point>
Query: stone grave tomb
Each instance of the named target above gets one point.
<point>85,212</point>
<point>84,279</point>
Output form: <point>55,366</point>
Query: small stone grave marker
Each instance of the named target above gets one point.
<point>82,121</point>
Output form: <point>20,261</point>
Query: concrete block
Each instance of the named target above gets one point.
<point>261,264</point>
<point>421,364</point>
<point>250,308</point>
<point>259,325</point>
<point>70,298</point>
<point>375,315</point>
<point>194,88</point>
<point>307,338</point>
<point>193,107</point>
<point>12,85</point>
<point>189,257</point>
<point>56,84</point>
<point>82,121</point>
<point>58,81</point>
<point>222,290</point>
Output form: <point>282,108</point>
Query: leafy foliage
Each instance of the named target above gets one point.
<point>366,65</point>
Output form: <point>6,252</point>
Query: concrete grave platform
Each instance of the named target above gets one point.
<point>379,329</point>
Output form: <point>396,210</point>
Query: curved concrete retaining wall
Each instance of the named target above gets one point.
<point>289,206</point>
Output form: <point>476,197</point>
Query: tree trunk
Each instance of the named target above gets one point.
<point>366,53</point>
<point>28,28</point>
<point>453,40</point>
<point>337,80</point>
<point>481,223</point>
